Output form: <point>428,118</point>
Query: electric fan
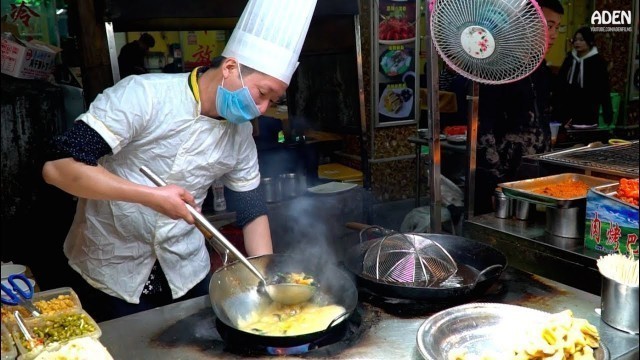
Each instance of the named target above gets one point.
<point>490,41</point>
<point>487,41</point>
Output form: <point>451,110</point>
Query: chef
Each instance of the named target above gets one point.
<point>131,242</point>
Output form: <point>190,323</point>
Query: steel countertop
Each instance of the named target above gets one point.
<point>186,330</point>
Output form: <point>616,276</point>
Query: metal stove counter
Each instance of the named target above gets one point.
<point>388,330</point>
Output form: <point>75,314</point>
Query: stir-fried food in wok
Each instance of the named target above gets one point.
<point>291,320</point>
<point>294,278</point>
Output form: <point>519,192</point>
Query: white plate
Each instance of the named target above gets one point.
<point>9,269</point>
<point>404,110</point>
<point>397,42</point>
<point>20,284</point>
<point>333,187</point>
<point>583,127</point>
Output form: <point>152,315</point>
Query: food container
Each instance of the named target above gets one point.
<point>289,185</point>
<point>611,225</point>
<point>49,324</point>
<point>47,303</point>
<point>479,330</point>
<point>524,189</point>
<point>522,209</point>
<point>619,305</point>
<point>566,223</point>
<point>271,189</point>
<point>9,351</point>
<point>501,204</point>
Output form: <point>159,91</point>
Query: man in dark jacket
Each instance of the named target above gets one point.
<point>511,121</point>
<point>131,58</point>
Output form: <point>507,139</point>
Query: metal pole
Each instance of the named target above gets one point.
<point>433,121</point>
<point>472,144</point>
<point>364,156</point>
<point>113,51</point>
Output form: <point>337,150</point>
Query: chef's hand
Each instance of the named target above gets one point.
<point>171,201</point>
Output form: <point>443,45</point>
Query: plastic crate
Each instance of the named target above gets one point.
<point>611,225</point>
<point>47,296</point>
<point>9,351</point>
<point>43,322</point>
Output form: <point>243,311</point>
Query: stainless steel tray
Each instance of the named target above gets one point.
<point>523,190</point>
<point>478,328</point>
<point>610,191</point>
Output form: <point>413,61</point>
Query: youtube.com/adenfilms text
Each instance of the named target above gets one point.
<point>611,28</point>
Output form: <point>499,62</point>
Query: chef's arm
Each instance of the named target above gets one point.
<point>251,215</point>
<point>95,182</point>
<point>257,236</point>
<point>74,168</point>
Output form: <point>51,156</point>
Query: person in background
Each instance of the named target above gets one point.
<point>132,243</point>
<point>512,122</point>
<point>132,55</point>
<point>453,82</point>
<point>583,83</point>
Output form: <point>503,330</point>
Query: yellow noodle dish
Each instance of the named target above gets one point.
<point>291,320</point>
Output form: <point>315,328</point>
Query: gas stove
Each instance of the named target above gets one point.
<point>187,330</point>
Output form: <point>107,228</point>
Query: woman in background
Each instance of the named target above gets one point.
<point>583,83</point>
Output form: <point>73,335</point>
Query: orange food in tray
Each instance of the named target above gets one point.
<point>565,189</point>
<point>628,191</point>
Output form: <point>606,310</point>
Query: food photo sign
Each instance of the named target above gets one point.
<point>396,48</point>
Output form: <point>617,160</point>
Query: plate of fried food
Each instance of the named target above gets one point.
<point>500,331</point>
<point>396,102</point>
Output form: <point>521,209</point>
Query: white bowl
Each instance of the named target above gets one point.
<point>10,269</point>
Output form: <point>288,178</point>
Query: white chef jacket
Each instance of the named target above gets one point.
<point>154,120</point>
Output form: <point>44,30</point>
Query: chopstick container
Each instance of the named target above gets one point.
<point>619,305</point>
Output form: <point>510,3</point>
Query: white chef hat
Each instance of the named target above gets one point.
<point>269,36</point>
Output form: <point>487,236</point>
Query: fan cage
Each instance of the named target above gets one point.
<point>518,27</point>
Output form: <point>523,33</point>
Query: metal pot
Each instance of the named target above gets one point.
<point>271,189</point>
<point>233,291</point>
<point>566,222</point>
<point>289,185</point>
<point>479,265</point>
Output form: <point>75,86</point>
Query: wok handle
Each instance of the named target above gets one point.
<point>364,229</point>
<point>337,319</point>
<point>484,272</point>
<point>203,224</point>
<point>357,226</point>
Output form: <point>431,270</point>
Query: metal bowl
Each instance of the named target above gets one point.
<point>478,328</point>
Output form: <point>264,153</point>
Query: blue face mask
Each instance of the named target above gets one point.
<point>236,106</point>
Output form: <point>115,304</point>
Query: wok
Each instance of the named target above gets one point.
<point>472,257</point>
<point>234,294</point>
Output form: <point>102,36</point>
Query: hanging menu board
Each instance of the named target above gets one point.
<point>395,53</point>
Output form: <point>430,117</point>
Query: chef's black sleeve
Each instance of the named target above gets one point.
<point>248,205</point>
<point>82,143</point>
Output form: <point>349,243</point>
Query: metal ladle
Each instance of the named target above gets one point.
<point>283,293</point>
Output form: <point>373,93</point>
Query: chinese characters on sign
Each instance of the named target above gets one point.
<point>22,13</point>
<point>200,47</point>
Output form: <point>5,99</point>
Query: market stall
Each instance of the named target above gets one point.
<point>562,239</point>
<point>380,328</point>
